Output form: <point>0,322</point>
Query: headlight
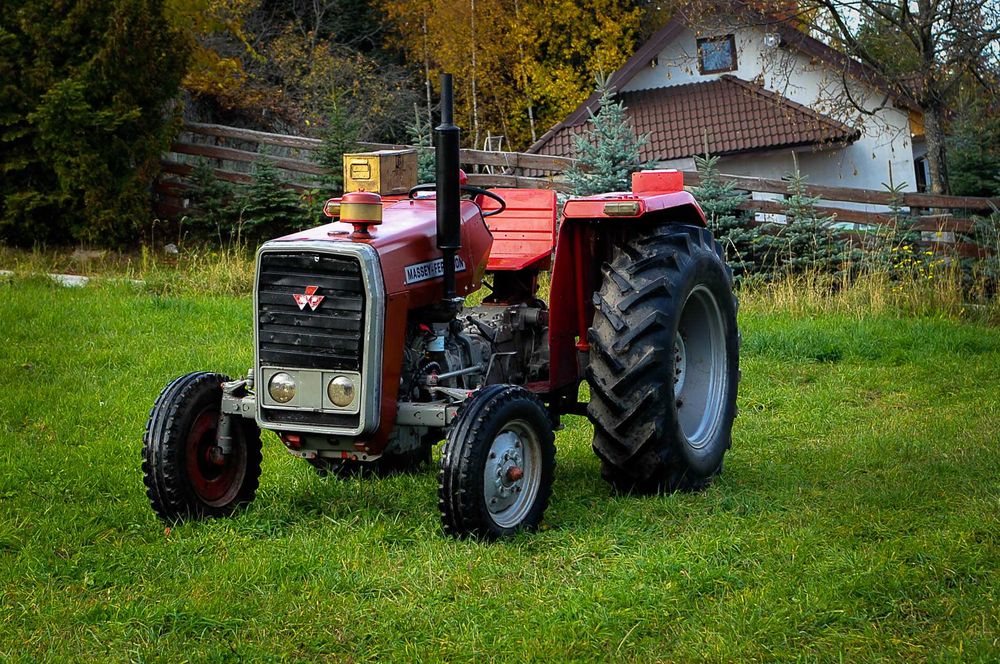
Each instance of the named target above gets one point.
<point>341,391</point>
<point>281,387</point>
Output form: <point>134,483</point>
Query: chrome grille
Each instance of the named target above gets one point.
<point>328,338</point>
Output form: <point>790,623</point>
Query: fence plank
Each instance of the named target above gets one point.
<point>245,156</point>
<point>851,195</point>
<point>253,135</point>
<point>184,170</point>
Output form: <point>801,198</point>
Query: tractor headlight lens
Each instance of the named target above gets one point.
<point>341,391</point>
<point>281,387</point>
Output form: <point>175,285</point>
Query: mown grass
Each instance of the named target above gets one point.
<point>857,519</point>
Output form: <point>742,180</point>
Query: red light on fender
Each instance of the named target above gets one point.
<point>622,209</point>
<point>657,182</point>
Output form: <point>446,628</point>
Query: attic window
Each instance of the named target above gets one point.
<point>716,54</point>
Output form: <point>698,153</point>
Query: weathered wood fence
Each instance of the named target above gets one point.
<point>231,153</point>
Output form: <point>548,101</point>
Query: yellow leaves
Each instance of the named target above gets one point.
<point>538,53</point>
<point>209,71</point>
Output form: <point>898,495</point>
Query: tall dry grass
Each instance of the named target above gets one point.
<point>931,288</point>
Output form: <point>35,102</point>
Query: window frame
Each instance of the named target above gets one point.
<point>734,61</point>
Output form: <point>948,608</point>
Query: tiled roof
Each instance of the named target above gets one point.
<point>733,115</point>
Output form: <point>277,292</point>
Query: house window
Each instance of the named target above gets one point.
<point>716,54</point>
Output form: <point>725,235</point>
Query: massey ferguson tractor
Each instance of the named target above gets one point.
<point>365,354</point>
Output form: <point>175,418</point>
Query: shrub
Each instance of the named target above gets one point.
<point>86,93</point>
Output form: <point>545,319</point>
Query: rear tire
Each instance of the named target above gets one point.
<point>497,465</point>
<point>182,476</point>
<point>664,361</point>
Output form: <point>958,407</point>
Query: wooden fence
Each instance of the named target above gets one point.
<point>231,153</point>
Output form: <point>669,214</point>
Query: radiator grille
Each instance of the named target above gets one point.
<point>329,337</point>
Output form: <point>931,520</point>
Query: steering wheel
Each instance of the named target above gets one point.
<point>467,188</point>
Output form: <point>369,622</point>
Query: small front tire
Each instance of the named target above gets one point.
<point>497,465</point>
<point>185,474</point>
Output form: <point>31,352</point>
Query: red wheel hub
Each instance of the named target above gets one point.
<point>214,476</point>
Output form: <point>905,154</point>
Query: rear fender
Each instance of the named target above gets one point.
<point>586,236</point>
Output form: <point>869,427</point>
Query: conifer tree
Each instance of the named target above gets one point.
<point>807,241</point>
<point>420,135</point>
<point>212,214</point>
<point>340,136</point>
<point>267,208</point>
<point>733,228</point>
<point>608,152</point>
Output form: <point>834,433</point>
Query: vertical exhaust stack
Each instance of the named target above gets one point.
<point>449,229</point>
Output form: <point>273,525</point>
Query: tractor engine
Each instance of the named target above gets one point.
<point>491,343</point>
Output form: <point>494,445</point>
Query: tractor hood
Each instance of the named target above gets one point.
<point>406,245</point>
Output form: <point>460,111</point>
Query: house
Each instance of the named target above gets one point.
<point>756,90</point>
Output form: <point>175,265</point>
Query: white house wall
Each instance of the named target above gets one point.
<point>864,164</point>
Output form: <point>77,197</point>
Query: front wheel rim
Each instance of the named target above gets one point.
<point>512,475</point>
<point>701,392</point>
<point>216,484</point>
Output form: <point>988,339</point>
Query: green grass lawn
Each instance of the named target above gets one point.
<point>857,518</point>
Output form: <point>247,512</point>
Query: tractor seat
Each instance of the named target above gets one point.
<point>523,234</point>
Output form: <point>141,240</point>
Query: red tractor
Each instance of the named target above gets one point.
<point>365,355</point>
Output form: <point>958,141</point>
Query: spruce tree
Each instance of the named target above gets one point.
<point>733,228</point>
<point>268,208</point>
<point>608,152</point>
<point>898,245</point>
<point>211,214</point>
<point>807,241</point>
<point>420,136</point>
<point>340,136</point>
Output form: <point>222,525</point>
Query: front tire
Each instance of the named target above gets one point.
<point>184,473</point>
<point>497,465</point>
<point>664,361</point>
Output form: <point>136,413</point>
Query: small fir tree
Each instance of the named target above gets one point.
<point>898,247</point>
<point>608,152</point>
<point>267,207</point>
<point>340,136</point>
<point>733,228</point>
<point>420,136</point>
<point>211,214</point>
<point>807,242</point>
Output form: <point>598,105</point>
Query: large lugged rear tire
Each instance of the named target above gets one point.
<point>184,474</point>
<point>664,361</point>
<point>497,465</point>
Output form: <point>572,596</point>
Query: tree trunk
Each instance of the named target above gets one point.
<point>936,151</point>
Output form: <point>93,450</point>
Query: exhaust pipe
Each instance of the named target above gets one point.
<point>446,146</point>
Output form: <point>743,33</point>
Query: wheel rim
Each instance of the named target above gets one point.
<point>513,474</point>
<point>215,482</point>
<point>700,367</point>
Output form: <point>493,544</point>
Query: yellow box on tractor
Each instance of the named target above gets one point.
<point>384,172</point>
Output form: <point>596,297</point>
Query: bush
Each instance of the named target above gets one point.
<point>84,118</point>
